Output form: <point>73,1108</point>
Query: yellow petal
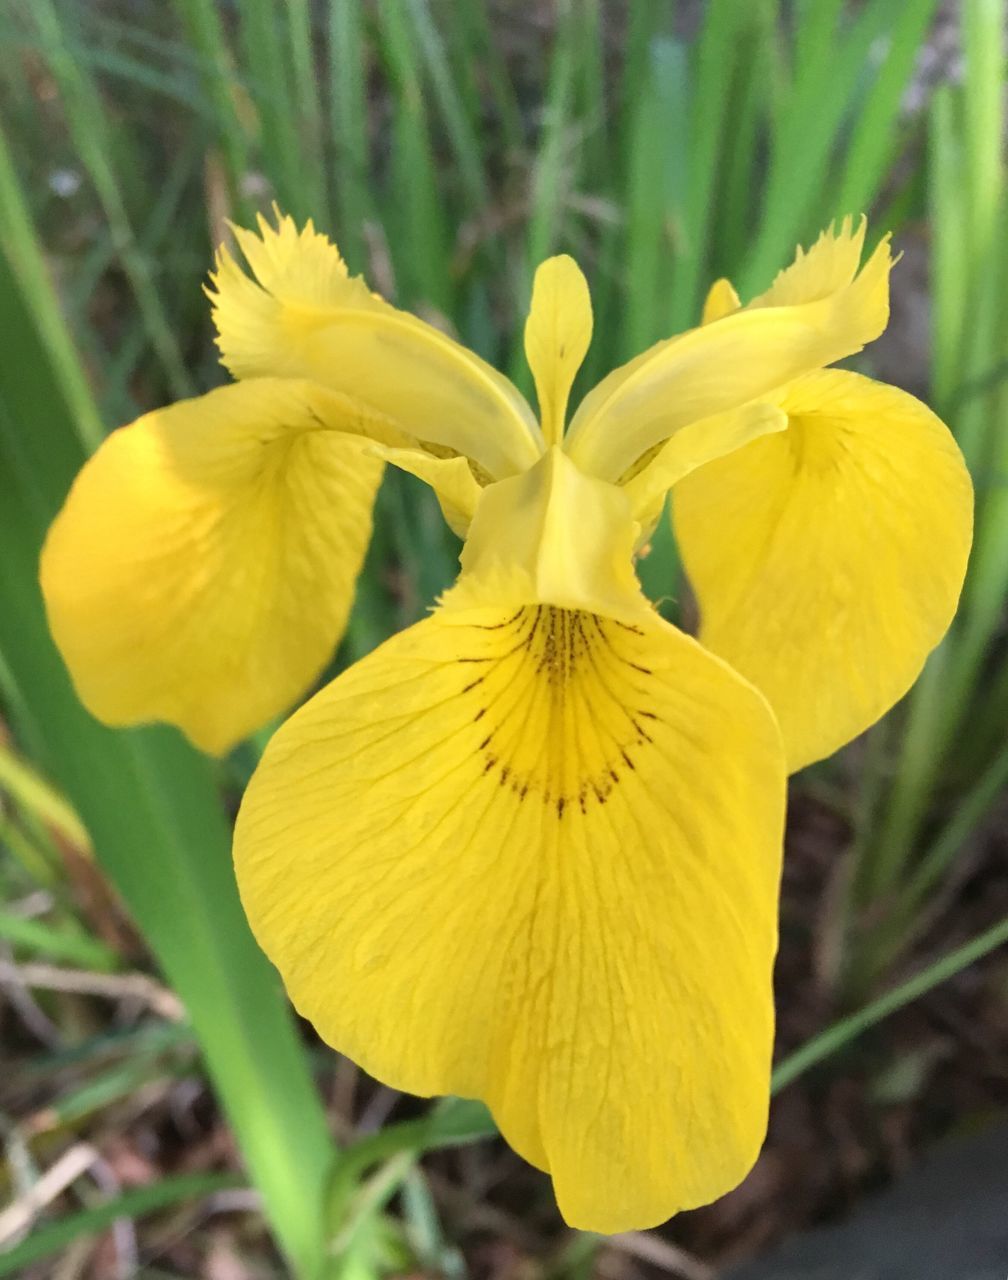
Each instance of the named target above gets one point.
<point>693,446</point>
<point>303,316</point>
<point>457,489</point>
<point>827,268</point>
<point>828,559</point>
<point>532,857</point>
<point>819,310</point>
<point>556,536</point>
<point>721,301</point>
<point>557,334</point>
<point>203,566</point>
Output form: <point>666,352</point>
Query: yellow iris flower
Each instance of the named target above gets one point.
<point>529,849</point>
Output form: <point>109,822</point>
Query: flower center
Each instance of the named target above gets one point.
<point>565,705</point>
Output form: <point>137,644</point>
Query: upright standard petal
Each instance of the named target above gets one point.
<point>721,301</point>
<point>557,335</point>
<point>532,856</point>
<point>203,566</point>
<point>828,559</point>
<point>819,310</point>
<point>303,316</point>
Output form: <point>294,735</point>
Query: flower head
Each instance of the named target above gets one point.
<point>529,849</point>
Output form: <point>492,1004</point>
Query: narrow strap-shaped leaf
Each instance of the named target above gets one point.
<point>89,127</point>
<point>206,34</point>
<point>847,1029</point>
<point>348,65</point>
<point>54,1236</point>
<point>873,136</point>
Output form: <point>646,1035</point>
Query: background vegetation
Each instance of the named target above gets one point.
<point>159,1107</point>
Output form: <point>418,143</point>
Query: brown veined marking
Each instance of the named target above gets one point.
<point>563,704</point>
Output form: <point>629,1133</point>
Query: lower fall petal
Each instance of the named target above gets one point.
<point>828,559</point>
<point>203,566</point>
<point>532,856</point>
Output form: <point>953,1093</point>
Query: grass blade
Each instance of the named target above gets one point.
<point>306,106</point>
<point>705,116</point>
<point>29,265</point>
<point>828,68</point>
<point>872,144</point>
<point>752,100</point>
<point>54,1236</point>
<point>296,175</point>
<point>74,946</point>
<point>549,174</point>
<point>201,20</point>
<point>656,184</point>
<point>841,1033</point>
<point>348,106</point>
<point>459,127</point>
<point>418,234</point>
<point>88,124</point>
